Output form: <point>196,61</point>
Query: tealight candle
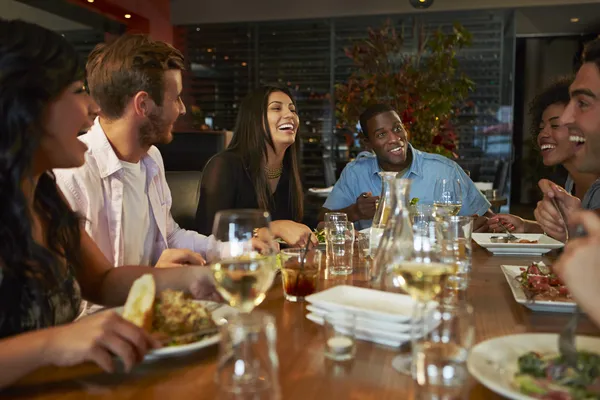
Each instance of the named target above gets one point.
<point>340,344</point>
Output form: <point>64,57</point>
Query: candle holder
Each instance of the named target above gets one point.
<point>340,343</point>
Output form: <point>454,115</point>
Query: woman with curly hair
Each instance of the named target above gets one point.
<point>48,263</point>
<point>552,138</point>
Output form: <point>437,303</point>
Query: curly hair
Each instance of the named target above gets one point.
<point>555,93</point>
<point>36,66</point>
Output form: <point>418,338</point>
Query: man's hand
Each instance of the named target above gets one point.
<point>548,216</point>
<point>179,257</point>
<point>578,268</point>
<point>366,205</point>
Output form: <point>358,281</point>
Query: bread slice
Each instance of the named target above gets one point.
<point>139,308</point>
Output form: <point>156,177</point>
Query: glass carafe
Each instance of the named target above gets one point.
<point>384,209</point>
<point>397,237</point>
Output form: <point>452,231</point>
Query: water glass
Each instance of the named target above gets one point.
<point>339,336</point>
<point>457,249</point>
<point>300,272</point>
<point>336,217</point>
<point>363,242</point>
<point>340,247</point>
<point>440,355</point>
<point>248,366</point>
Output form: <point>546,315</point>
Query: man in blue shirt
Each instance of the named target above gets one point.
<point>357,191</point>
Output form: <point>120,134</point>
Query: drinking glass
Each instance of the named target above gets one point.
<point>447,197</point>
<point>242,273</point>
<point>440,355</point>
<point>336,217</point>
<point>457,248</point>
<point>300,272</point>
<point>340,247</point>
<point>363,242</point>
<point>248,365</point>
<point>421,272</point>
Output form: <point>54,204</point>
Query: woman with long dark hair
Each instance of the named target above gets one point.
<point>47,262</point>
<point>259,169</point>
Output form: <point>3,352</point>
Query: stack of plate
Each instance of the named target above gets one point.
<point>381,317</point>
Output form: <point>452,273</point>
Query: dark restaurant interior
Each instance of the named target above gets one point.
<point>231,47</point>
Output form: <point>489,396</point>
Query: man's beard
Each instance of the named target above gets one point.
<point>155,130</point>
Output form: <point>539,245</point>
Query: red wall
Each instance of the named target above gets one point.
<point>157,12</point>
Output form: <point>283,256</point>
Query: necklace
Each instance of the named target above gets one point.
<point>273,173</point>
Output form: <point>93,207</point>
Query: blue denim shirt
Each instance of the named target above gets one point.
<point>361,176</point>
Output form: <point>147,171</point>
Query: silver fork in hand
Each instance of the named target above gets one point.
<point>561,217</point>
<point>510,236</point>
<point>566,340</point>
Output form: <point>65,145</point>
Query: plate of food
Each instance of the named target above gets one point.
<point>532,244</point>
<point>182,324</point>
<point>528,367</point>
<point>538,288</point>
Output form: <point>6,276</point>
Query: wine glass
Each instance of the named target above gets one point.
<point>420,272</point>
<point>447,197</point>
<point>243,267</point>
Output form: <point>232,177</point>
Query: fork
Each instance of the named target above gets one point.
<point>561,217</point>
<point>510,236</point>
<point>566,339</point>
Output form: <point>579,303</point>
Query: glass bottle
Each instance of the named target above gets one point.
<point>397,238</point>
<point>384,209</point>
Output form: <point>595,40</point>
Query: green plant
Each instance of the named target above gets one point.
<point>425,86</point>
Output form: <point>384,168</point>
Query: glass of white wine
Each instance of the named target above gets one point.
<point>243,266</point>
<point>422,274</point>
<point>447,197</point>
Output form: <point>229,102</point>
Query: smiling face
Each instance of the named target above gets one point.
<point>59,146</point>
<point>158,126</point>
<point>282,119</point>
<point>582,118</point>
<point>388,139</point>
<point>553,137</point>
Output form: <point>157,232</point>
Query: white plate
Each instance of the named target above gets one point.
<point>512,271</point>
<point>396,327</point>
<point>218,316</point>
<point>494,362</point>
<point>368,336</point>
<point>544,245</point>
<point>369,303</point>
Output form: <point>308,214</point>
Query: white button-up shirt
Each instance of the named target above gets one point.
<point>95,190</point>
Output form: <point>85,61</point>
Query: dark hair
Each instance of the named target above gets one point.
<point>591,52</point>
<point>36,66</point>
<point>370,112</point>
<point>250,140</point>
<point>130,64</point>
<point>555,93</point>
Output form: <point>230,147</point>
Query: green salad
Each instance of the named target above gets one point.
<point>320,234</point>
<point>549,377</point>
<point>414,201</point>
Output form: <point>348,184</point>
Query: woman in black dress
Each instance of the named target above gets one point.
<point>259,169</point>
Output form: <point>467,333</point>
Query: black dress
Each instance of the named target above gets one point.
<point>226,185</point>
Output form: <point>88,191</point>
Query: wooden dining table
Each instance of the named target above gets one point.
<point>304,372</point>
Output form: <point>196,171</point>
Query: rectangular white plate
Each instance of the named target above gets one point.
<point>369,303</point>
<point>544,245</point>
<point>512,271</point>
<point>393,327</point>
<point>365,335</point>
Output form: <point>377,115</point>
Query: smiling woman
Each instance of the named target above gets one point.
<point>260,167</point>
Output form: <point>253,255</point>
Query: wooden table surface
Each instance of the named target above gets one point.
<point>304,372</point>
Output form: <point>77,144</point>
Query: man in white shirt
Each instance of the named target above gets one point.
<point>121,189</point>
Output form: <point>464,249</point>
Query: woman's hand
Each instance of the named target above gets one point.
<point>97,338</point>
<point>293,233</point>
<point>512,222</point>
<point>179,257</point>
